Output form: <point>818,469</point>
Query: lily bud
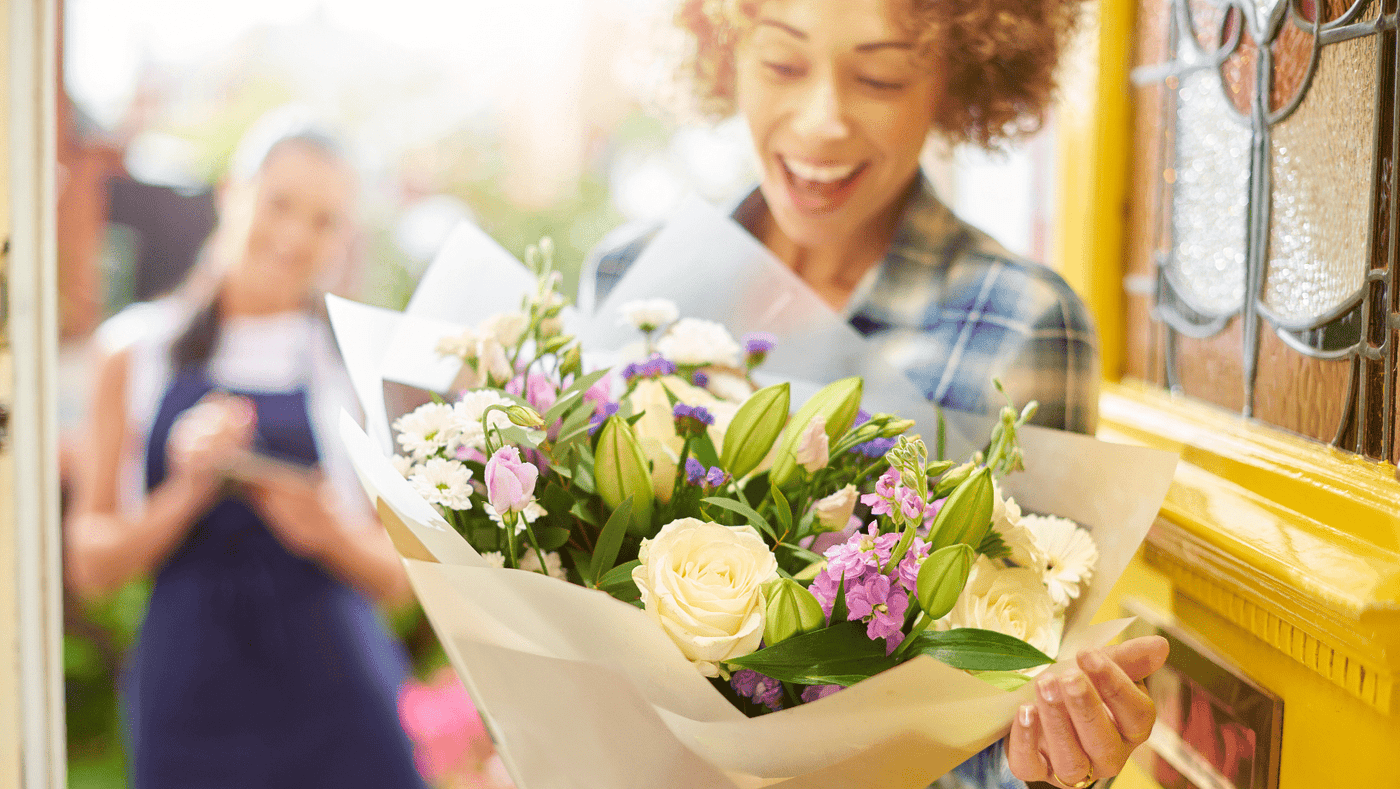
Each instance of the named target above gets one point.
<point>942,578</point>
<point>790,610</point>
<point>966,515</point>
<point>896,427</point>
<point>620,470</point>
<point>525,416</point>
<point>837,403</point>
<point>572,363</point>
<point>951,480</point>
<point>754,428</point>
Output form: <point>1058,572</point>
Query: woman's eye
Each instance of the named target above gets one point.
<point>784,70</point>
<point>882,85</point>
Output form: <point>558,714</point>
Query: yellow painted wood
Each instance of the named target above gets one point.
<point>1093,134</point>
<point>1284,555</point>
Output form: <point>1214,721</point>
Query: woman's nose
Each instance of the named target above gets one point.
<point>821,114</point>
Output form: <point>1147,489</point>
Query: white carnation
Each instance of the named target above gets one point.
<point>703,583</point>
<point>1069,555</point>
<point>444,482</point>
<point>648,315</point>
<point>426,430</point>
<point>692,341</point>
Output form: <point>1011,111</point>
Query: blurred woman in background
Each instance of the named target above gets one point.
<point>213,463</point>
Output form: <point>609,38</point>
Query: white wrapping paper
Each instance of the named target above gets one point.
<point>582,690</point>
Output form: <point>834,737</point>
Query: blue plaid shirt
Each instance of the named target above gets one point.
<point>952,309</point>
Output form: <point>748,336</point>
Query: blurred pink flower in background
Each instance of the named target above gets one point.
<point>450,743</point>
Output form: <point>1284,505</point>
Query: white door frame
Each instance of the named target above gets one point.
<point>31,587</point>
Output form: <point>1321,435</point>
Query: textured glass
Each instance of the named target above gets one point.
<point>1210,197</point>
<point>1322,158</point>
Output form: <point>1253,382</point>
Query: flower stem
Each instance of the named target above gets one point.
<point>919,626</point>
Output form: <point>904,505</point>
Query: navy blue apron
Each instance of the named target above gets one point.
<point>255,668</point>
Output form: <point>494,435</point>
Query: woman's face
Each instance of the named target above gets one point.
<point>839,105</point>
<point>299,222</point>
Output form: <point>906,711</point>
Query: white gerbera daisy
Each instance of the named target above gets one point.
<point>495,559</point>
<point>444,482</point>
<point>531,513</point>
<point>466,417</point>
<point>1070,555</point>
<point>553,565</point>
<point>426,429</point>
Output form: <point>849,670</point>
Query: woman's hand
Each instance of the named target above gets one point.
<point>299,512</point>
<point>1084,724</point>
<point>207,437</point>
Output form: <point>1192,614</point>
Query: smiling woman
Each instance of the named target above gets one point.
<point>840,97</point>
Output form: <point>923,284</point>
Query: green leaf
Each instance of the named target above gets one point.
<point>552,538</point>
<point>972,649</point>
<point>610,540</point>
<point>521,437</point>
<point>839,611</point>
<point>836,655</point>
<point>993,546</point>
<point>618,582</point>
<point>584,382</point>
<point>581,561</point>
<point>783,509</point>
<point>744,510</point>
<point>583,513</point>
<point>703,449</point>
<point>561,407</point>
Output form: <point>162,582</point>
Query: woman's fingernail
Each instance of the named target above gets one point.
<point>1049,689</point>
<point>1076,686</point>
<point>1093,660</point>
<point>1025,714</point>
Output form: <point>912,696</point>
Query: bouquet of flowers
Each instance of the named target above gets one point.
<point>777,556</point>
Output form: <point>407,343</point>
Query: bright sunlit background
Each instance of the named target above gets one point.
<point>529,117</point>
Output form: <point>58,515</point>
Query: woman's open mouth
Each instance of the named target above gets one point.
<point>820,187</point>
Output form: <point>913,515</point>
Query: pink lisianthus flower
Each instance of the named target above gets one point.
<point>441,721</point>
<point>510,481</point>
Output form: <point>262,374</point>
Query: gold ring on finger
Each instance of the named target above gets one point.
<point>1083,784</point>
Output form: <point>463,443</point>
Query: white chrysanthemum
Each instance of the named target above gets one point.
<point>648,315</point>
<point>467,412</point>
<point>1070,555</point>
<point>553,565</point>
<point>507,327</point>
<point>426,429</point>
<point>444,482</point>
<point>1008,600</point>
<point>404,465</point>
<point>495,559</point>
<point>532,512</point>
<point>695,341</point>
<point>461,345</point>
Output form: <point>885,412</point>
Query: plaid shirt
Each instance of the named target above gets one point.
<point>952,309</point>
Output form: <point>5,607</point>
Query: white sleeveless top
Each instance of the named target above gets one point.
<point>273,353</point>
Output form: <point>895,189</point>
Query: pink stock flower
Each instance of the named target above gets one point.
<point>910,565</point>
<point>510,481</point>
<point>442,722</point>
<point>880,603</point>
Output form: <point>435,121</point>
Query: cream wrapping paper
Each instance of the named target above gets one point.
<point>581,690</point>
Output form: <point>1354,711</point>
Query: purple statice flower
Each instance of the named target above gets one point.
<point>716,477</point>
<point>814,692</point>
<point>756,347</point>
<point>655,366</point>
<point>862,416</point>
<point>698,378</point>
<point>632,370</point>
<point>761,688</point>
<point>875,447</point>
<point>599,417</point>
<point>691,421</point>
<point>880,603</point>
<point>909,566</point>
<point>694,471</point>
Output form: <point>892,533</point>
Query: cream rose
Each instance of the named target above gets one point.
<point>703,583</point>
<point>1011,601</point>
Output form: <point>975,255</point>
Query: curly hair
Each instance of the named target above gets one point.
<point>998,60</point>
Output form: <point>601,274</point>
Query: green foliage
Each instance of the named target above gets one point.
<point>972,649</point>
<point>836,655</point>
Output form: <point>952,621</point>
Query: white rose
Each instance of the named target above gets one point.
<point>695,341</point>
<point>834,511</point>
<point>703,583</point>
<point>648,315</point>
<point>1011,601</point>
<point>507,327</point>
<point>1006,519</point>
